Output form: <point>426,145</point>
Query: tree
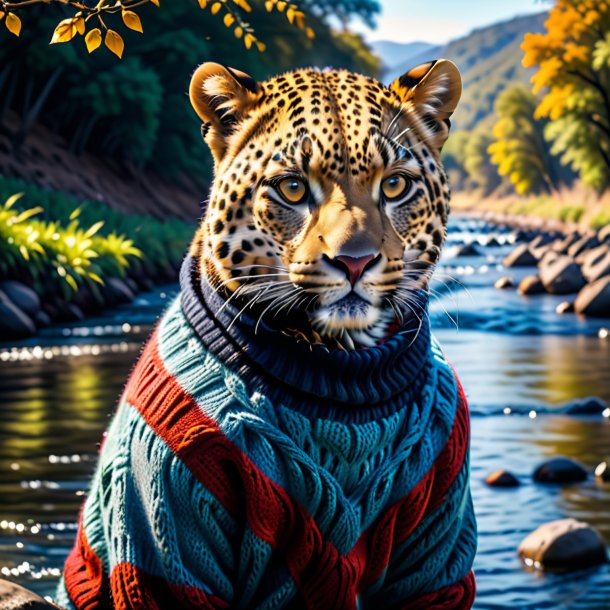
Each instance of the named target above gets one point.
<point>84,16</point>
<point>519,148</point>
<point>481,172</point>
<point>573,61</point>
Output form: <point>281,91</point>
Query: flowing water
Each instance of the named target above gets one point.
<point>511,353</point>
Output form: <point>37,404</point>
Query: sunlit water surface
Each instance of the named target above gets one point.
<point>58,392</point>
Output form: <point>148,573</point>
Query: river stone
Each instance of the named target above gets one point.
<point>22,296</point>
<point>560,470</point>
<point>597,267</point>
<point>592,256</point>
<point>544,239</point>
<point>563,544</point>
<point>504,282</point>
<point>592,405</point>
<point>521,256</point>
<point>602,472</point>
<point>529,285</point>
<point>584,243</point>
<point>14,324</point>
<point>468,250</point>
<point>15,597</point>
<point>562,245</point>
<point>564,307</point>
<point>562,276</point>
<point>594,299</point>
<point>502,478</point>
<point>604,234</point>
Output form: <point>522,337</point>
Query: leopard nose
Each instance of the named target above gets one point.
<point>354,266</point>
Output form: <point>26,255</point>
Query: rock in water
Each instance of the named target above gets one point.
<point>592,405</point>
<point>563,544</point>
<point>602,472</point>
<point>562,276</point>
<point>594,299</point>
<point>468,250</point>
<point>596,266</point>
<point>560,470</point>
<point>584,243</point>
<point>564,307</point>
<point>22,296</point>
<point>14,597</point>
<point>504,282</point>
<point>530,285</point>
<point>14,324</point>
<point>604,234</point>
<point>521,256</point>
<point>502,478</point>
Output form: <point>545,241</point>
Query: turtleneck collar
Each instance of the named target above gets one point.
<point>374,381</point>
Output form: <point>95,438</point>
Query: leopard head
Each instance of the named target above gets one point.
<point>329,203</point>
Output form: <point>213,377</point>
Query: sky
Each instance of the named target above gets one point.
<point>439,21</point>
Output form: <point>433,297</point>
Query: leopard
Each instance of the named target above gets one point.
<point>292,435</point>
<point>329,198</point>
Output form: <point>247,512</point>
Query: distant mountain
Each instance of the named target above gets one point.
<point>489,59</point>
<point>394,54</point>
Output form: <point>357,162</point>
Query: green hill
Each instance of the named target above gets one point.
<point>489,59</point>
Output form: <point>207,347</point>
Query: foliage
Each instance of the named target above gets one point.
<point>136,111</point>
<point>47,251</point>
<point>85,16</point>
<point>160,244</point>
<point>573,69</point>
<point>478,166</point>
<point>519,148</point>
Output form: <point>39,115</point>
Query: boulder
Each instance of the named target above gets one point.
<point>22,296</point>
<point>502,478</point>
<point>544,239</point>
<point>592,405</point>
<point>604,234</point>
<point>562,276</point>
<point>492,242</point>
<point>563,544</point>
<point>521,256</point>
<point>590,257</point>
<point>14,324</point>
<point>116,292</point>
<point>560,470</point>
<point>602,472</point>
<point>562,244</point>
<point>529,285</point>
<point>564,307</point>
<point>594,299</point>
<point>548,257</point>
<point>596,267</point>
<point>15,597</point>
<point>584,243</point>
<point>504,282</point>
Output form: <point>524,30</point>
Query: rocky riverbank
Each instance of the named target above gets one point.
<point>564,261</point>
<point>23,313</point>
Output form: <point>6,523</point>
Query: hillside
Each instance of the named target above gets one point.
<point>489,58</point>
<point>393,54</point>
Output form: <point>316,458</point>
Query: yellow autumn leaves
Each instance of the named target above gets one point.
<point>69,28</point>
<point>12,23</point>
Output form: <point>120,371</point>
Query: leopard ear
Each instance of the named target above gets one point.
<point>221,97</point>
<point>433,89</point>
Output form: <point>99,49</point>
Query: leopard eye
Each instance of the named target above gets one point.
<point>292,190</point>
<point>394,186</point>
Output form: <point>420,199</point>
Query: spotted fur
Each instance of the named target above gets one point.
<point>341,134</point>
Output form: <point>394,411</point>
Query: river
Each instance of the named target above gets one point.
<point>518,360</point>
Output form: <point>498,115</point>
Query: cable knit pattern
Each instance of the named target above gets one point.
<point>211,492</point>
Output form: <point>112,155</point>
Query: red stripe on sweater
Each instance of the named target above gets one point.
<point>128,588</point>
<point>459,596</point>
<point>135,589</point>
<point>324,577</point>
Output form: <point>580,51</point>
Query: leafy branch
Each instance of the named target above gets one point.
<point>80,24</point>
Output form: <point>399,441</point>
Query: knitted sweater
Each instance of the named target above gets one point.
<point>249,470</point>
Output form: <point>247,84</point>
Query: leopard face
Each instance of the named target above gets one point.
<point>329,202</point>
